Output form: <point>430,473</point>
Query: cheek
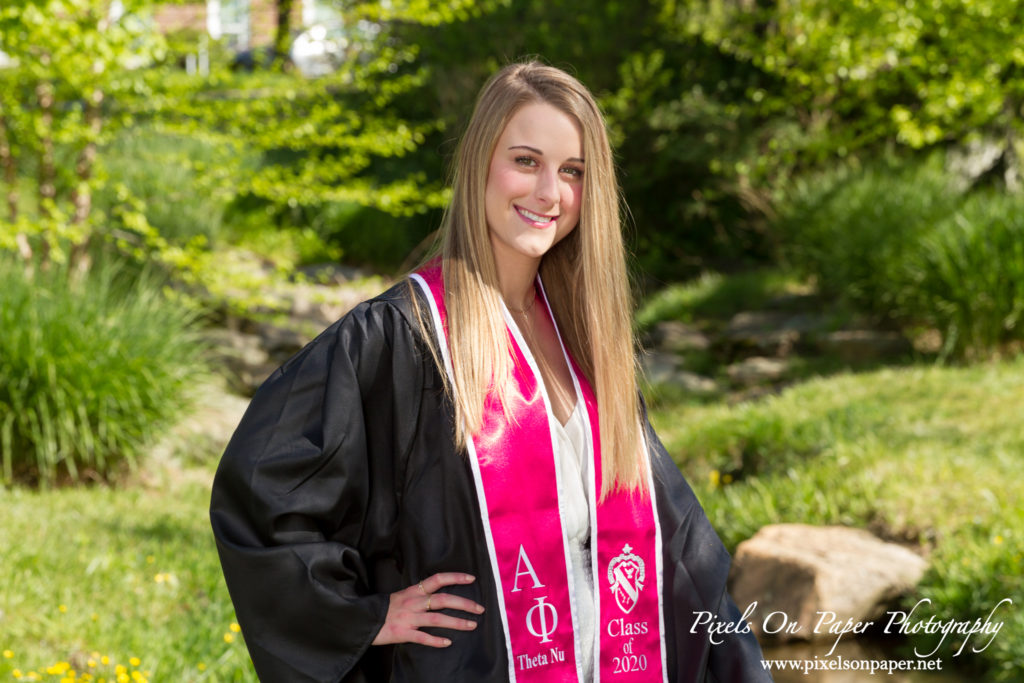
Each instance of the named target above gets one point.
<point>504,184</point>
<point>572,199</point>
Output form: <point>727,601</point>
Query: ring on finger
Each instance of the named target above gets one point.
<point>420,584</point>
<point>428,602</point>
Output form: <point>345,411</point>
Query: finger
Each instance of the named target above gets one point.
<point>438,620</point>
<point>426,639</point>
<point>442,600</point>
<point>442,579</point>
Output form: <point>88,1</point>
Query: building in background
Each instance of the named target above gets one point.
<point>248,27</point>
<point>245,24</point>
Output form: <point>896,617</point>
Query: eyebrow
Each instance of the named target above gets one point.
<point>540,153</point>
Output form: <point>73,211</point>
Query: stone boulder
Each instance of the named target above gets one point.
<point>674,336</point>
<point>660,367</point>
<point>801,570</point>
<point>757,370</point>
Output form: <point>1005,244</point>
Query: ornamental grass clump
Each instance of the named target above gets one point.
<point>969,276</point>
<point>91,369</point>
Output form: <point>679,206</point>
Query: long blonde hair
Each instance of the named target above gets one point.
<point>584,274</point>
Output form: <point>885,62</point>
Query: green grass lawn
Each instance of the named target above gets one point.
<point>930,456</point>
<point>96,577</point>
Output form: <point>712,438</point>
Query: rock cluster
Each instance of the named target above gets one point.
<point>759,351</point>
<point>248,348</point>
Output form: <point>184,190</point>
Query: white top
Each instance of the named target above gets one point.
<point>571,450</point>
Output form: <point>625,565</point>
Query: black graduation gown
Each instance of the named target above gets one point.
<point>342,484</point>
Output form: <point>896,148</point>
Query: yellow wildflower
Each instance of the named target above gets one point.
<point>998,540</point>
<point>104,660</point>
<point>715,477</point>
<point>201,666</point>
<point>16,673</point>
<point>8,654</point>
<point>229,637</point>
<point>63,609</point>
<point>123,678</point>
<point>134,661</point>
<point>235,628</point>
<point>91,662</point>
<point>120,669</point>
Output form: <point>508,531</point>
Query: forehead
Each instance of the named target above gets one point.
<point>546,128</point>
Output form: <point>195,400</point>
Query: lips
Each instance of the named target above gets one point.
<point>537,219</point>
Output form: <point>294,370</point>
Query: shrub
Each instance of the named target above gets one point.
<point>969,275</point>
<point>90,370</point>
<point>854,229</point>
<point>898,243</point>
<point>182,181</point>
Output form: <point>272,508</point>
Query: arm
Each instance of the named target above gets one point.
<point>696,567</point>
<point>306,497</point>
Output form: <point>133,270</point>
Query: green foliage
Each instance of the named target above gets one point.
<point>900,242</point>
<point>183,183</point>
<point>90,371</point>
<point>969,277</point>
<point>922,455</point>
<point>853,229</point>
<point>860,72</point>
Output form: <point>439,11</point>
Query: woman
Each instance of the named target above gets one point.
<point>446,485</point>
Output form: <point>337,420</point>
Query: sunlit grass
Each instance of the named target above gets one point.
<point>114,577</point>
<point>928,455</point>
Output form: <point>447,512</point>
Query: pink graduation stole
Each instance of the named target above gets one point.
<point>519,490</point>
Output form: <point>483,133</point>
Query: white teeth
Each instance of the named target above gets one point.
<point>533,216</point>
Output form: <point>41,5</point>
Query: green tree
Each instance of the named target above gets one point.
<point>73,61</point>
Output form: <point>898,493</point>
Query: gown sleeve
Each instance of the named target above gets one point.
<point>696,570</point>
<point>307,491</point>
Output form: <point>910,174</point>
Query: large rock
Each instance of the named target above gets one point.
<point>757,370</point>
<point>803,571</point>
<point>675,336</point>
<point>664,368</point>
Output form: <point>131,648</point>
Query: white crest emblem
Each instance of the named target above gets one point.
<point>626,578</point>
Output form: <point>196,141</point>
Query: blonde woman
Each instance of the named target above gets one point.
<point>456,481</point>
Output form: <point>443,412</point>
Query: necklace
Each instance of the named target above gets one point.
<point>529,306</point>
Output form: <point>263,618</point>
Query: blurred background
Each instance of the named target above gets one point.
<point>826,227</point>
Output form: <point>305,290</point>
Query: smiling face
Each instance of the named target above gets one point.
<point>534,185</point>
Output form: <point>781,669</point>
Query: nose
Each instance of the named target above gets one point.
<point>546,189</point>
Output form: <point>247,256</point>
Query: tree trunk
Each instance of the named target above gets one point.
<point>282,37</point>
<point>10,171</point>
<point>82,196</point>
<point>47,170</point>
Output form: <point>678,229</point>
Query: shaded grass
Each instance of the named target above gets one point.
<point>925,455</point>
<point>713,295</point>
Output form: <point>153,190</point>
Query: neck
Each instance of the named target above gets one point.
<point>516,281</point>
